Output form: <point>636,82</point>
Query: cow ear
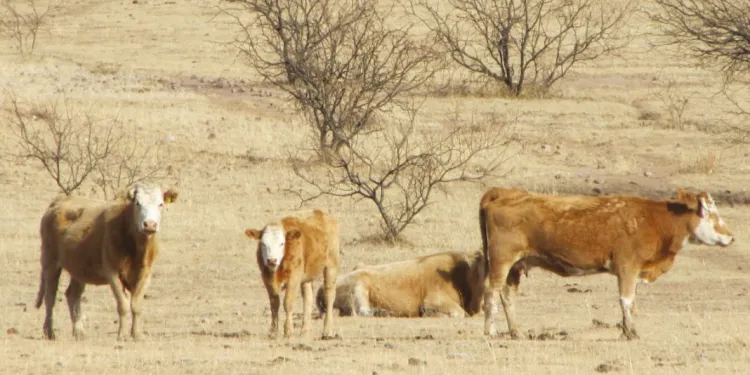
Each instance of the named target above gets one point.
<point>131,192</point>
<point>293,234</point>
<point>170,196</point>
<point>706,203</point>
<point>689,199</point>
<point>253,233</point>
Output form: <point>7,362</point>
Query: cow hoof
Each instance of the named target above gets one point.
<point>514,335</point>
<point>630,335</point>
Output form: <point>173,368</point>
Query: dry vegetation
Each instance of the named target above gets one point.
<point>170,72</point>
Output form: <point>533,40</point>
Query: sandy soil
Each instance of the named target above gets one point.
<point>164,67</point>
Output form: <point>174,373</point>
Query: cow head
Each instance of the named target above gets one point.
<point>710,229</point>
<point>148,202</point>
<point>273,241</point>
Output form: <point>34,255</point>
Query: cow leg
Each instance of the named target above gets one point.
<point>329,283</point>
<point>627,285</point>
<point>498,283</point>
<point>436,305</point>
<point>292,288</point>
<point>136,303</point>
<point>51,281</point>
<point>73,296</point>
<point>361,299</point>
<point>307,302</point>
<point>275,301</point>
<point>122,302</point>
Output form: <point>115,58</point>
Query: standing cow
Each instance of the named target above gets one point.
<point>632,238</point>
<point>99,243</point>
<point>291,253</point>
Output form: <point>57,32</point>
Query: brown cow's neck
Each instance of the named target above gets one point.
<point>140,247</point>
<point>679,227</point>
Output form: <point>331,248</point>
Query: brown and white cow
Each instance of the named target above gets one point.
<point>290,254</point>
<point>99,243</point>
<point>633,238</point>
<point>442,284</point>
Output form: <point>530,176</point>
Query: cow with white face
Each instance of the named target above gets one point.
<point>634,238</point>
<point>291,253</point>
<point>272,243</point>
<point>711,229</point>
<point>113,243</point>
<point>148,202</point>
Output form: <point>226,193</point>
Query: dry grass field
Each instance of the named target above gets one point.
<point>164,67</point>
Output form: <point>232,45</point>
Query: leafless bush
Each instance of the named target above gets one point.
<point>22,20</point>
<point>73,147</point>
<point>133,160</point>
<point>338,59</point>
<point>398,169</point>
<point>675,103</point>
<point>525,42</point>
<point>717,34</point>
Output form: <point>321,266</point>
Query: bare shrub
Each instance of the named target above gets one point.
<point>22,20</point>
<point>74,147</point>
<point>338,60</point>
<point>706,164</point>
<point>523,43</point>
<point>717,34</point>
<point>133,160</point>
<point>675,103</point>
<point>397,169</point>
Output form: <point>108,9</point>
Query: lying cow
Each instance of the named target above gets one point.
<point>291,253</point>
<point>443,284</point>
<point>99,243</point>
<point>632,238</point>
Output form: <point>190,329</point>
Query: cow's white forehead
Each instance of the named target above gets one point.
<point>148,194</point>
<point>273,235</point>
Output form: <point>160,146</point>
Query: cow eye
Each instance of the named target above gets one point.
<point>161,205</point>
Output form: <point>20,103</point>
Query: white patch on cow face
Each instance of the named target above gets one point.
<point>148,202</point>
<point>711,230</point>
<point>272,243</point>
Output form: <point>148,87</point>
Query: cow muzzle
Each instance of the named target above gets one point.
<point>150,227</point>
<point>272,264</point>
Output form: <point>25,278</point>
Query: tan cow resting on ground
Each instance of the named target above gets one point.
<point>291,253</point>
<point>443,284</point>
<point>632,238</point>
<point>101,243</point>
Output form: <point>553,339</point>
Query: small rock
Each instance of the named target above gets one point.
<point>605,367</point>
<point>647,174</point>
<point>416,362</point>
<point>59,364</point>
<point>170,138</point>
<point>11,331</point>
<point>302,347</point>
<point>596,190</point>
<point>388,345</point>
<point>280,359</point>
<point>599,324</point>
<point>597,181</point>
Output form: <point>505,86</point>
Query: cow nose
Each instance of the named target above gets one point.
<point>149,226</point>
<point>271,262</point>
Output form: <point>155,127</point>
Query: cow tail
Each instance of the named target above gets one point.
<point>483,229</point>
<point>42,289</point>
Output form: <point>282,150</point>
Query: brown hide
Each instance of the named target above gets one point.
<point>449,283</point>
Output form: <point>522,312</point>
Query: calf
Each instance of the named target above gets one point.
<point>99,243</point>
<point>632,238</point>
<point>449,283</point>
<point>291,253</point>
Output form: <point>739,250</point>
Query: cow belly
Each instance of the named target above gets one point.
<point>561,267</point>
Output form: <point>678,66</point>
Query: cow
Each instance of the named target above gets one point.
<point>291,253</point>
<point>634,238</point>
<point>114,243</point>
<point>443,284</point>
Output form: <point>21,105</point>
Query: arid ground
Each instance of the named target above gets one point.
<point>165,68</point>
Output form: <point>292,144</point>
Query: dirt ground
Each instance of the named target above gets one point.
<point>164,67</point>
